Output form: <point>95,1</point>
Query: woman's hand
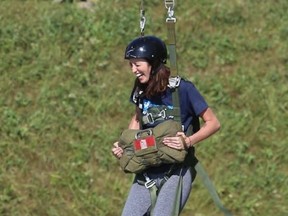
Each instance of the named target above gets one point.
<point>180,141</point>
<point>117,151</point>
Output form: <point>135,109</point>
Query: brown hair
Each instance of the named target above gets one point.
<point>157,84</point>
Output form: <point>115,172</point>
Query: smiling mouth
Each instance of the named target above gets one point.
<point>139,75</point>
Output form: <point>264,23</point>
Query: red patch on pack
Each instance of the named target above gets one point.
<point>147,142</point>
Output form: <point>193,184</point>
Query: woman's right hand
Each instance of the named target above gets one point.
<point>117,151</point>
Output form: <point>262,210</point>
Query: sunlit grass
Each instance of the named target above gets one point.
<point>65,91</point>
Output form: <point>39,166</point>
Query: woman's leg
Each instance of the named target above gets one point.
<point>138,201</point>
<point>166,198</point>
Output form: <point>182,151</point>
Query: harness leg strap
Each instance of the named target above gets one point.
<point>151,186</point>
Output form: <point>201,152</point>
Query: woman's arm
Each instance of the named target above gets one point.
<point>134,123</point>
<point>117,151</point>
<point>211,125</point>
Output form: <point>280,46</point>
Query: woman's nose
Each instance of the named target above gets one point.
<point>133,68</point>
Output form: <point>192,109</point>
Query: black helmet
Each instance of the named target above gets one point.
<point>150,48</point>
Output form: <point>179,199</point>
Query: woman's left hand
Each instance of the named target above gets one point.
<point>177,142</point>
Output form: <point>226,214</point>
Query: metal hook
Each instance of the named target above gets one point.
<point>170,4</point>
<point>142,18</point>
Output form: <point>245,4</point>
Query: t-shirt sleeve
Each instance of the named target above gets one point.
<point>192,97</point>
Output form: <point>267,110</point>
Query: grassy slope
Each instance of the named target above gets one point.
<point>64,100</point>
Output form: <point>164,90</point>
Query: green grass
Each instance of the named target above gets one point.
<point>64,90</point>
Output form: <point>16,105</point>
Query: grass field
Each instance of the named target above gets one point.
<point>64,89</point>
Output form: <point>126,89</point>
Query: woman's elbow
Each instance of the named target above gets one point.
<point>217,125</point>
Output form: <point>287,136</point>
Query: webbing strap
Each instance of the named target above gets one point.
<point>150,184</point>
<point>153,196</point>
<point>176,105</point>
<point>199,168</point>
<point>171,45</point>
<point>177,201</point>
<point>211,189</point>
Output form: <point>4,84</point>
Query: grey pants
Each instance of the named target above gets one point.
<point>138,201</point>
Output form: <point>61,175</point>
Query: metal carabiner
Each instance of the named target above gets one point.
<point>170,4</point>
<point>150,118</point>
<point>142,18</point>
<point>162,114</point>
<point>142,24</point>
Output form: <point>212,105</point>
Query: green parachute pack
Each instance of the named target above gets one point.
<point>144,148</point>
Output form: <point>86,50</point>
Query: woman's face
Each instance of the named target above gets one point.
<point>141,69</point>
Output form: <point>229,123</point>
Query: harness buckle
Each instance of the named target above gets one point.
<point>163,114</point>
<point>149,183</point>
<point>174,82</point>
<point>150,118</point>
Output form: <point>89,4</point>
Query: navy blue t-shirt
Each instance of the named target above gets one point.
<point>192,103</point>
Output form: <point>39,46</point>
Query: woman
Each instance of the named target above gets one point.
<point>147,57</point>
